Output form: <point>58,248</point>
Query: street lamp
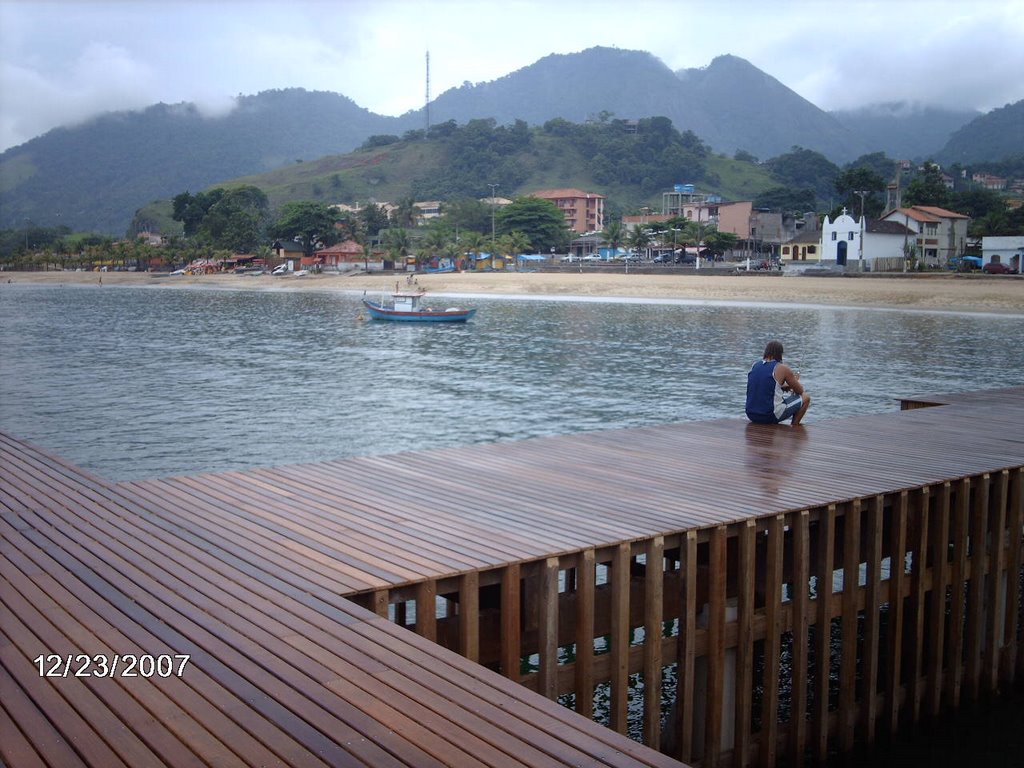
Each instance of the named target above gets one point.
<point>493,187</point>
<point>861,193</point>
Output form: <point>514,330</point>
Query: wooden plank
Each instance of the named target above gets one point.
<point>823,630</point>
<point>469,615</point>
<point>654,599</point>
<point>848,662</point>
<point>510,622</point>
<point>687,643</point>
<point>872,607</point>
<point>717,569</point>
<point>937,601</point>
<point>584,671</point>
<point>976,591</point>
<point>1013,653</point>
<point>920,515</point>
<point>995,596</point>
<point>379,602</point>
<point>800,623</point>
<point>897,612</point>
<point>961,528</point>
<point>548,630</point>
<point>746,576</point>
<point>772,641</point>
<point>620,578</point>
<point>426,609</point>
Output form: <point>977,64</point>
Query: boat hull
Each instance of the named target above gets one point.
<point>378,312</point>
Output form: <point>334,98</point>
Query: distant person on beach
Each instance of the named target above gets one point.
<point>774,391</point>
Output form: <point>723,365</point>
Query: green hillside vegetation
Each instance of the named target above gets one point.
<point>453,162</point>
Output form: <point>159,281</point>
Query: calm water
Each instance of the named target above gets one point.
<point>144,382</point>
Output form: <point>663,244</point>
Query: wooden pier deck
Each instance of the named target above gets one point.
<point>290,587</point>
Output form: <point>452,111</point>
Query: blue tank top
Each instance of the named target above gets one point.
<point>763,392</point>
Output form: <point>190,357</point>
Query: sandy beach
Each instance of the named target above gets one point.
<point>944,292</point>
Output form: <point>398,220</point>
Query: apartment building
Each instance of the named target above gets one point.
<point>583,211</point>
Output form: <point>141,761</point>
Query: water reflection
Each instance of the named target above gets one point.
<point>136,382</point>
<point>771,452</point>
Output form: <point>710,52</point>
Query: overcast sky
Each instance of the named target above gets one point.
<point>63,62</point>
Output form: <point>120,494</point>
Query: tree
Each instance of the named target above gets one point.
<point>786,200</point>
<point>396,240</point>
<point>927,188</point>
<point>861,179</point>
<point>405,213</point>
<point>539,220</point>
<point>802,168</point>
<point>467,213</point>
<point>717,243</point>
<point>190,209</point>
<point>613,234</point>
<point>308,223</point>
<point>374,219</point>
<point>516,243</point>
<point>639,239</point>
<point>238,220</point>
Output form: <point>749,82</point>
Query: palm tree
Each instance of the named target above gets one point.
<point>613,234</point>
<point>474,243</point>
<point>435,241</point>
<point>404,214</point>
<point>396,240</point>
<point>639,239</point>
<point>517,243</point>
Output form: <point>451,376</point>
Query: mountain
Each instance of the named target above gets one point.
<point>741,107</point>
<point>992,137</point>
<point>95,175</point>
<point>730,104</point>
<point>903,130</point>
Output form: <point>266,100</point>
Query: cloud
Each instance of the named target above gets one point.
<point>102,55</point>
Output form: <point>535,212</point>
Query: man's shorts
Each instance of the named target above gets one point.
<point>794,403</point>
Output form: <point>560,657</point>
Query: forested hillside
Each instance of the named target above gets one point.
<point>631,163</point>
<point>95,175</point>
<point>994,137</point>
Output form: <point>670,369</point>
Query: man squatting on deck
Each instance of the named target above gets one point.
<point>774,391</point>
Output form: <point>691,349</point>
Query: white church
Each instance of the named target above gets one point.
<point>863,245</point>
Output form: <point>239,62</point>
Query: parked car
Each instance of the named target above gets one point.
<point>997,268</point>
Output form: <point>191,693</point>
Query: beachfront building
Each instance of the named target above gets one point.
<point>427,210</point>
<point>707,209</point>
<point>583,211</point>
<point>877,245</point>
<point>341,257</point>
<point>1007,250</point>
<point>937,235</point>
<point>804,248</point>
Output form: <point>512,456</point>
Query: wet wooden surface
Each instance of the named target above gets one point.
<point>277,674</point>
<point>247,573</point>
<point>360,524</point>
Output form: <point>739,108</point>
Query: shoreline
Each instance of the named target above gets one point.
<point>999,295</point>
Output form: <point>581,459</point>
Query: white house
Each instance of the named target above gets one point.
<point>939,235</point>
<point>1006,250</point>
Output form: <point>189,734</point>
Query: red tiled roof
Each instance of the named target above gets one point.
<point>942,213</point>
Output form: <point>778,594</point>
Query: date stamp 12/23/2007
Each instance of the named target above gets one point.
<point>111,665</point>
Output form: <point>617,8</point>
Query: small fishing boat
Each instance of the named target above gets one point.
<point>406,306</point>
